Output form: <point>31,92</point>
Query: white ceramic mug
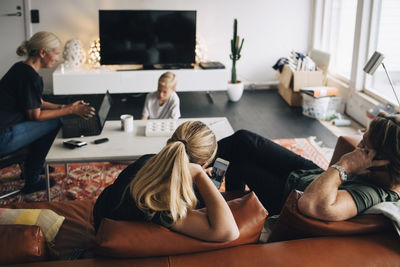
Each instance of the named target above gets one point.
<point>127,123</point>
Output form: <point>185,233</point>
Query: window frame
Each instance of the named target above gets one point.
<point>359,97</point>
<point>373,43</point>
<point>322,18</point>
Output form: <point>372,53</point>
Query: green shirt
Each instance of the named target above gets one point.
<point>364,193</point>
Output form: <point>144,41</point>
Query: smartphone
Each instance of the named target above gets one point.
<point>74,143</point>
<point>218,171</point>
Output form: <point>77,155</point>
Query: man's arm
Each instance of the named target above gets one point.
<point>323,200</point>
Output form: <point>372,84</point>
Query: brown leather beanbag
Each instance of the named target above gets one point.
<point>21,244</point>
<point>293,225</point>
<point>127,239</point>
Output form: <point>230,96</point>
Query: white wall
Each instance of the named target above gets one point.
<point>271,28</point>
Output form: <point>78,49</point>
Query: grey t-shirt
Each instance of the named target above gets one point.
<point>169,110</point>
<point>364,193</point>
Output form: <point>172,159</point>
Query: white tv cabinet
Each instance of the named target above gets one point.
<point>96,81</point>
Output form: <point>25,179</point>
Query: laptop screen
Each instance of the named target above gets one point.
<point>104,109</point>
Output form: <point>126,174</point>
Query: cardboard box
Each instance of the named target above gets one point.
<point>295,80</point>
<point>292,98</point>
<point>290,83</point>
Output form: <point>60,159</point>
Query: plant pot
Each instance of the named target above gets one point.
<point>235,91</point>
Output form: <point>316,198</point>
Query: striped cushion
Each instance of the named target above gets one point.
<point>48,220</point>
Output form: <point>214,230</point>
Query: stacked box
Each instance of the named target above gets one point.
<point>322,107</point>
<point>290,83</point>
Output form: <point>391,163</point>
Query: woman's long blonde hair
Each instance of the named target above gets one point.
<point>40,40</point>
<point>164,183</point>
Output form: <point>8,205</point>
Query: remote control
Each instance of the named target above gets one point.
<point>102,140</point>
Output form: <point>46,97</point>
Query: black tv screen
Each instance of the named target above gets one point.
<point>147,37</point>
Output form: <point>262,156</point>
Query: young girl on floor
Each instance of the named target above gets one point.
<point>164,103</point>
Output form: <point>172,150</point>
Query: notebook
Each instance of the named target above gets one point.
<point>160,128</point>
<point>77,127</point>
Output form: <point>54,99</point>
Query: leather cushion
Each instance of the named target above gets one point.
<point>21,244</point>
<point>128,239</point>
<point>77,230</point>
<point>48,220</point>
<point>293,225</point>
<point>344,144</point>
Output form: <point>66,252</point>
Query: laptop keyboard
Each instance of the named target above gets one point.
<point>79,127</point>
<point>89,125</point>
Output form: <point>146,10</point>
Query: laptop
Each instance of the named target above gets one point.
<point>78,127</point>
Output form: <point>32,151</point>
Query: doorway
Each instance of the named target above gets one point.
<point>12,32</point>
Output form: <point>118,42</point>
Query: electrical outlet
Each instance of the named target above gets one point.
<point>34,16</point>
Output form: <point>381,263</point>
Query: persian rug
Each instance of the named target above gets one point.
<point>87,180</point>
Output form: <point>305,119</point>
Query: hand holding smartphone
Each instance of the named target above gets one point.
<point>218,171</point>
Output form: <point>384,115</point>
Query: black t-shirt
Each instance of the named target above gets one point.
<point>109,204</point>
<point>21,89</point>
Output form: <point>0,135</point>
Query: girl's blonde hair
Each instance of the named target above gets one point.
<point>164,184</point>
<point>39,40</point>
<point>168,79</point>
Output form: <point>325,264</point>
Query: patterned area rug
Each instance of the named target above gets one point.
<point>309,148</point>
<point>87,180</point>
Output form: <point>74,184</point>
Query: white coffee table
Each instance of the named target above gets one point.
<point>121,146</point>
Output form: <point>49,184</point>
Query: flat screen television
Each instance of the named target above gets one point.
<point>147,37</point>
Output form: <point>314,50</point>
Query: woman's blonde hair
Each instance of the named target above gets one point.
<point>164,184</point>
<point>384,136</point>
<point>168,79</point>
<point>40,40</point>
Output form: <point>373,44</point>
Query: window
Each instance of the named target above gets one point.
<point>351,31</point>
<point>385,38</point>
<point>336,33</point>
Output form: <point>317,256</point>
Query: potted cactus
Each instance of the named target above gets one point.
<point>235,87</point>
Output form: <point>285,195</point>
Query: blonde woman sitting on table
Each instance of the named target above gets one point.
<point>160,189</point>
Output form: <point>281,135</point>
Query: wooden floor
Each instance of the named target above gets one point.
<point>261,111</point>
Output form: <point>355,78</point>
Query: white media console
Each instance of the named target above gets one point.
<point>96,81</point>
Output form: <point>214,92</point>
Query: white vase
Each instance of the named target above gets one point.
<point>235,91</point>
<point>74,54</point>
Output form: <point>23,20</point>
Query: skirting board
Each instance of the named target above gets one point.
<point>262,85</point>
